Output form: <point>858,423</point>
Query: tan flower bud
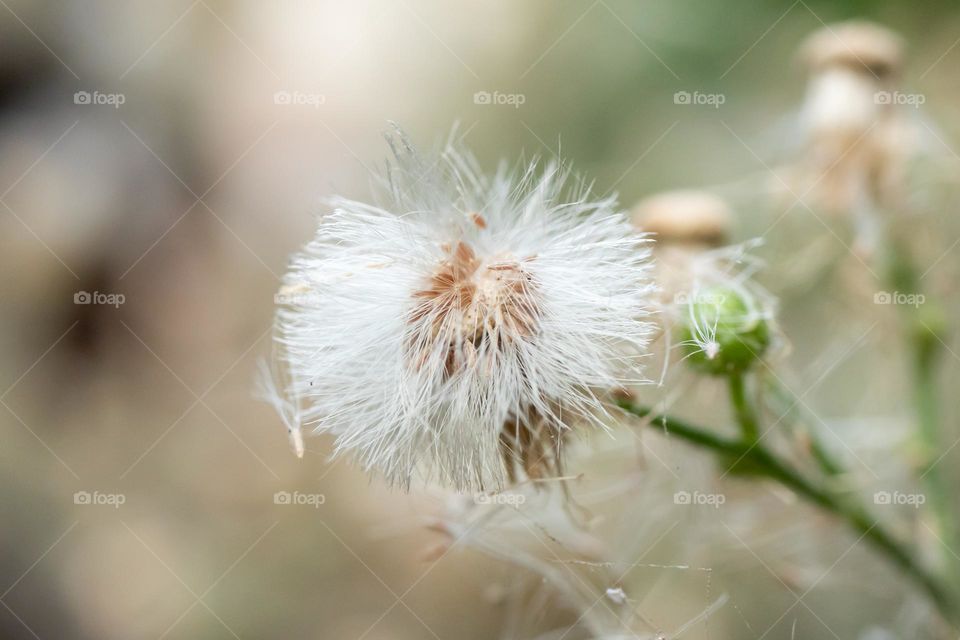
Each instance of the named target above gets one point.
<point>859,45</point>
<point>684,217</point>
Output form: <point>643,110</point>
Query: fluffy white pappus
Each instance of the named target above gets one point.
<point>459,328</point>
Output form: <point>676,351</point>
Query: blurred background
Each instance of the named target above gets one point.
<point>158,164</point>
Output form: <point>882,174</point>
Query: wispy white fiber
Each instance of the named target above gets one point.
<point>414,329</point>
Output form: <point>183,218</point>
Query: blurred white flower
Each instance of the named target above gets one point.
<point>461,327</point>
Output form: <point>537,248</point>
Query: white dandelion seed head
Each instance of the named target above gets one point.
<point>462,319</point>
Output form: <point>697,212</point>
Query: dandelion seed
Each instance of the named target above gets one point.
<point>462,327</point>
<point>616,595</point>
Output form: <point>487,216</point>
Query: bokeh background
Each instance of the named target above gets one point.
<point>186,199</point>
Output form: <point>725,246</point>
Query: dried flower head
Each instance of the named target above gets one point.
<point>857,139</point>
<point>853,67</point>
<point>686,224</point>
<point>684,217</point>
<point>862,46</point>
<point>461,327</point>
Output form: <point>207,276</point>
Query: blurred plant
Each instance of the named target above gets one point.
<point>726,328</point>
<point>856,137</point>
<point>875,172</point>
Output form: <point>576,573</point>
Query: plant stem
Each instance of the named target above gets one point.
<point>742,407</point>
<point>925,398</point>
<point>791,406</point>
<point>920,328</point>
<point>768,463</point>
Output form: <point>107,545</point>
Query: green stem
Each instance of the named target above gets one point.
<point>921,323</point>
<point>743,408</point>
<point>792,408</point>
<point>769,464</point>
<point>926,402</point>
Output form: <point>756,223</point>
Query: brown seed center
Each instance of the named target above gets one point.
<point>472,308</point>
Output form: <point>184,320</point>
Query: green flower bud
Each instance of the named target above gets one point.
<point>723,330</point>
